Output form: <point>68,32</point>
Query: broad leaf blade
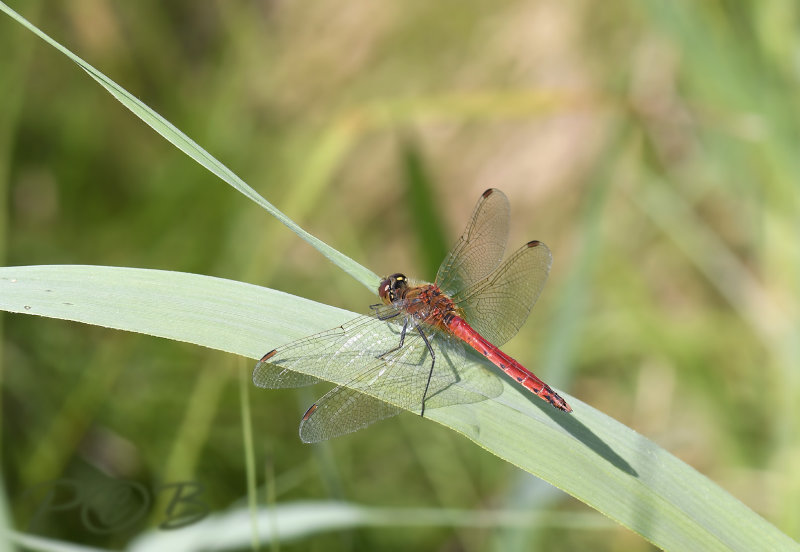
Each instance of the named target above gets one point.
<point>587,454</point>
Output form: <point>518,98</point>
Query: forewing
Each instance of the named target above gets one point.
<point>498,305</point>
<point>341,411</point>
<point>376,375</point>
<point>480,248</point>
<point>399,375</point>
<point>344,410</point>
<point>405,374</point>
<point>333,355</point>
<point>274,377</point>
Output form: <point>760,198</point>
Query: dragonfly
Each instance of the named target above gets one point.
<point>409,352</point>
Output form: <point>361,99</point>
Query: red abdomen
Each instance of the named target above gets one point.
<point>459,327</point>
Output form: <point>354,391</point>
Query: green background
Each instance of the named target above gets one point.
<point>651,145</point>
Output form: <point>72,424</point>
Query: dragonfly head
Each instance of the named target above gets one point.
<point>393,287</point>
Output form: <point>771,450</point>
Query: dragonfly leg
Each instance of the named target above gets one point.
<point>430,350</point>
<point>399,345</point>
<point>430,373</point>
<point>383,316</point>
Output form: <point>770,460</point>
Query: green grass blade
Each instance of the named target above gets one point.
<point>193,150</point>
<point>249,449</point>
<point>304,519</point>
<point>587,454</point>
<point>44,544</point>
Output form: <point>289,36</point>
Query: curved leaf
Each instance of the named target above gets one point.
<point>587,454</point>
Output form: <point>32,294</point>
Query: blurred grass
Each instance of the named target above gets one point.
<point>689,333</point>
<point>427,224</point>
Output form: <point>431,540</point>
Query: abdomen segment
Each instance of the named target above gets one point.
<point>514,369</point>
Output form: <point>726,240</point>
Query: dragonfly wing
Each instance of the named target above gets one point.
<point>480,248</point>
<point>344,410</point>
<point>406,374</point>
<point>398,375</point>
<point>498,305</point>
<point>457,381</point>
<point>341,411</point>
<point>328,353</point>
<point>273,377</point>
<point>376,375</point>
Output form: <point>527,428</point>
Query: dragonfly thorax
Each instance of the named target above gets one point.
<point>421,301</point>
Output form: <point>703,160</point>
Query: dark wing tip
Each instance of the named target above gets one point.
<point>488,192</point>
<point>268,356</point>
<point>534,243</point>
<point>309,412</point>
<point>264,360</point>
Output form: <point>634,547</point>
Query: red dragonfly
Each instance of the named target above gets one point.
<point>409,354</point>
